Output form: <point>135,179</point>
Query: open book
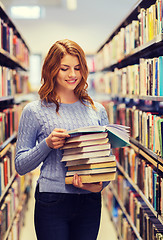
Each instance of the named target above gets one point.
<point>118,134</point>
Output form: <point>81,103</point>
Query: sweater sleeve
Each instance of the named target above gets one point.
<point>29,153</point>
<point>103,117</point>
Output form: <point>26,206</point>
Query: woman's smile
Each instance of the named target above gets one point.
<point>72,81</point>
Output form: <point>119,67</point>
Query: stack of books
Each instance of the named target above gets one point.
<point>88,153</point>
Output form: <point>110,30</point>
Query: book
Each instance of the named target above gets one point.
<point>88,152</point>
<point>86,137</point>
<point>87,149</point>
<point>84,155</point>
<point>91,171</point>
<point>118,134</point>
<point>92,178</point>
<point>160,131</point>
<point>85,143</point>
<point>106,159</point>
<point>92,166</point>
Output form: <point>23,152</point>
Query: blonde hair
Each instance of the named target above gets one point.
<point>51,68</point>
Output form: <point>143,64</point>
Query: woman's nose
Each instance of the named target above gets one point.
<point>72,73</point>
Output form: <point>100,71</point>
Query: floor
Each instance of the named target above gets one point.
<point>107,230</point>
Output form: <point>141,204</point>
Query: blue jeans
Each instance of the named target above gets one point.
<point>61,216</point>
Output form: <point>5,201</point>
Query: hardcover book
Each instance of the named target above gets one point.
<point>91,178</point>
<point>106,159</point>
<point>118,134</point>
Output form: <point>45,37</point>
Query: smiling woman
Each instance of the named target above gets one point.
<point>62,212</point>
<point>66,60</point>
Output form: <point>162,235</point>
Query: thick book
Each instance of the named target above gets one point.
<point>118,134</point>
<point>106,159</point>
<point>91,171</point>
<point>80,137</point>
<point>86,155</point>
<point>92,166</point>
<point>78,150</point>
<point>86,143</point>
<point>93,178</point>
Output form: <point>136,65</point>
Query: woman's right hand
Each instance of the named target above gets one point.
<point>57,138</point>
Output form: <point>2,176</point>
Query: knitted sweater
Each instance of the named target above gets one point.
<point>36,123</point>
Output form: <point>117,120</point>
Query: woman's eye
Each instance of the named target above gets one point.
<point>64,69</point>
<point>77,69</point>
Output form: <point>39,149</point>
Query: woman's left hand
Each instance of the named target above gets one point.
<point>92,187</point>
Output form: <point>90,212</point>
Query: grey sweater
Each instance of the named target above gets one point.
<point>36,123</point>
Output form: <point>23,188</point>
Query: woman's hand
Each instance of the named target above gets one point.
<point>92,187</point>
<point>57,138</point>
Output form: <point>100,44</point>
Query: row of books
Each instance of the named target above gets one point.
<point>139,32</point>
<point>7,168</point>
<point>13,44</point>
<point>125,229</point>
<point>145,127</point>
<point>12,209</point>
<point>9,119</point>
<point>147,225</point>
<point>143,79</point>
<point>146,178</point>
<point>87,152</point>
<point>13,82</point>
<point>8,208</point>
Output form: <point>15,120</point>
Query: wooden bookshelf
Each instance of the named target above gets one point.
<point>125,212</point>
<point>10,60</point>
<point>114,61</point>
<point>16,63</point>
<point>7,187</point>
<point>140,192</point>
<point>6,145</point>
<point>144,50</point>
<point>132,14</point>
<point>145,151</point>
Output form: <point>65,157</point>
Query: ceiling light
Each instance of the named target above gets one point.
<point>72,4</point>
<point>27,12</point>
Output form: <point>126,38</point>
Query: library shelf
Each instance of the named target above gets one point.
<point>139,192</point>
<point>125,212</point>
<point>119,97</point>
<point>13,218</point>
<point>6,18</point>
<point>10,61</point>
<point>152,47</point>
<point>11,180</point>
<point>14,59</point>
<point>128,19</point>
<point>139,147</point>
<point>5,150</point>
<point>10,226</point>
<point>7,142</point>
<point>115,60</point>
<point>6,100</point>
<point>157,165</point>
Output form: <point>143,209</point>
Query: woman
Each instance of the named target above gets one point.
<point>62,212</point>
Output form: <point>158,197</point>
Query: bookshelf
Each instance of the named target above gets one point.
<point>129,70</point>
<point>14,63</point>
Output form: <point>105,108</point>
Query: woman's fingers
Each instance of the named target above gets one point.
<point>92,187</point>
<point>61,133</point>
<point>57,138</point>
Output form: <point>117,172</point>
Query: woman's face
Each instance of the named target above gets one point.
<point>69,75</point>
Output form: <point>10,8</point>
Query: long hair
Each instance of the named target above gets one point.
<point>51,67</point>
